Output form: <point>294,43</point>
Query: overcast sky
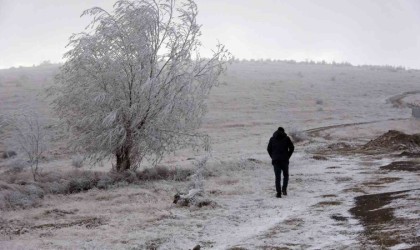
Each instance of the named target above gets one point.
<point>358,31</point>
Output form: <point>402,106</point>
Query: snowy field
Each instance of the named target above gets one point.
<point>328,104</point>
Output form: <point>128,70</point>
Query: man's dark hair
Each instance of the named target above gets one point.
<point>281,129</point>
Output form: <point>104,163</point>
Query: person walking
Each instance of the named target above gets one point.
<point>280,148</point>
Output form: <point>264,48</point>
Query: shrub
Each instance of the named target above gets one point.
<point>80,184</point>
<point>82,181</point>
<point>35,191</point>
<point>18,191</point>
<point>8,154</point>
<point>105,182</point>
<point>15,166</point>
<point>126,176</point>
<point>181,174</point>
<point>149,174</point>
<point>57,187</point>
<point>319,101</point>
<point>164,173</point>
<point>77,161</point>
<point>29,196</point>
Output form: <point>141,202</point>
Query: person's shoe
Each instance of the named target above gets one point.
<point>278,195</point>
<point>284,192</point>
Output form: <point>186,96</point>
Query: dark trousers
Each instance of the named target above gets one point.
<point>278,168</point>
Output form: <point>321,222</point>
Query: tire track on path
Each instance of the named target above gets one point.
<point>397,100</point>
<point>315,131</point>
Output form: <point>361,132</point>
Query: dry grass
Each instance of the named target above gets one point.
<point>338,217</point>
<point>343,179</point>
<point>320,158</point>
<point>354,190</point>
<point>333,167</point>
<point>327,203</point>
<point>89,222</point>
<point>17,190</point>
<point>228,181</point>
<point>329,196</point>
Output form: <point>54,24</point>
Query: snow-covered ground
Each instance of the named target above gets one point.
<point>342,103</point>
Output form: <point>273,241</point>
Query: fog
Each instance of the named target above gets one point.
<point>360,32</point>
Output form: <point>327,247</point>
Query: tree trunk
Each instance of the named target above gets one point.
<point>123,159</point>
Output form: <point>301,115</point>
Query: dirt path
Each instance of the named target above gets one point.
<point>315,131</point>
<point>314,215</point>
<point>396,101</point>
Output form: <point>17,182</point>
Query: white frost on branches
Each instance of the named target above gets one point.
<point>134,85</point>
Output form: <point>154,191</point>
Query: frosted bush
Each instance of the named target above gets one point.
<point>319,101</point>
<point>17,199</point>
<point>35,191</point>
<point>120,184</point>
<point>181,174</point>
<point>16,165</point>
<point>57,187</point>
<point>80,184</point>
<point>105,182</point>
<point>3,204</point>
<point>77,161</point>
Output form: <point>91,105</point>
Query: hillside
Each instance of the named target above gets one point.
<point>328,107</point>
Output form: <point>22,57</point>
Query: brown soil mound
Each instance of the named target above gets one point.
<point>394,140</point>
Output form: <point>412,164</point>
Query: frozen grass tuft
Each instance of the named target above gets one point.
<point>17,190</point>
<point>83,183</point>
<point>8,154</point>
<point>227,167</point>
<point>14,196</point>
<point>15,165</point>
<point>319,101</point>
<point>105,182</point>
<point>164,173</point>
<point>77,161</point>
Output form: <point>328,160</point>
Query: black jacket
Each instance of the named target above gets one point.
<point>280,148</point>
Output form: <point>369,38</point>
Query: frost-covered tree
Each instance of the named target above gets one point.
<point>134,85</point>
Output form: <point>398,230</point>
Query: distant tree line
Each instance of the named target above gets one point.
<point>323,62</point>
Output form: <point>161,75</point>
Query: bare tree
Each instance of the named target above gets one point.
<point>134,85</point>
<point>30,138</point>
